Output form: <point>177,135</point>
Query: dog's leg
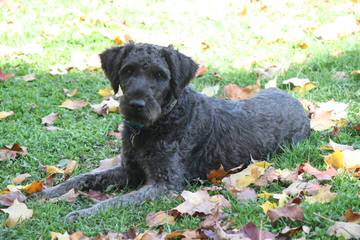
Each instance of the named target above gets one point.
<point>136,197</point>
<point>92,180</point>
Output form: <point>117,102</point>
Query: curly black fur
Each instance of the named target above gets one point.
<point>164,147</point>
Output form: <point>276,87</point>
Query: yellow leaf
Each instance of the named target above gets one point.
<point>244,181</point>
<point>305,88</point>
<point>106,92</point>
<point>303,45</point>
<point>59,236</point>
<point>265,195</point>
<point>267,206</point>
<point>335,160</point>
<point>53,170</point>
<point>323,196</point>
<point>262,164</point>
<point>4,115</point>
<point>18,212</point>
<point>71,165</point>
<point>159,218</point>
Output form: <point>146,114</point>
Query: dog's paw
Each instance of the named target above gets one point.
<point>72,217</point>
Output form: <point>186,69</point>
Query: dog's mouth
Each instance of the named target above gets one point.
<point>139,111</point>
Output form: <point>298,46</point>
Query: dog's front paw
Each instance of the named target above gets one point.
<point>72,217</point>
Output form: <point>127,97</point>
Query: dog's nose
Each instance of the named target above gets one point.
<point>137,103</point>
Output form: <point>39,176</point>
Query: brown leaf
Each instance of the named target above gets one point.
<point>201,71</point>
<point>4,115</point>
<point>159,218</point>
<point>215,175</point>
<point>69,197</point>
<point>33,187</point>
<point>69,93</point>
<point>349,216</point>
<point>335,146</point>
<point>356,127</point>
<point>95,196</point>
<point>292,212</point>
<point>246,194</point>
<point>28,78</point>
<point>234,92</point>
<point>18,212</point>
<point>9,153</point>
<point>324,195</point>
<point>74,104</point>
<point>299,186</point>
<point>320,175</point>
<point>49,119</point>
<point>106,106</point>
<point>288,233</point>
<point>251,231</point>
<point>328,115</point>
<point>7,199</point>
<point>345,230</point>
<point>6,76</point>
<point>20,178</point>
<point>199,203</point>
<point>108,163</point>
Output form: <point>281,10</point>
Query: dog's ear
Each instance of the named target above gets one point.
<point>111,61</point>
<point>182,69</point>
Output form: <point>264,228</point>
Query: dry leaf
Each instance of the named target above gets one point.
<point>335,146</point>
<point>74,104</point>
<point>70,166</point>
<point>303,45</point>
<point>345,230</point>
<point>199,203</point>
<point>217,174</point>
<point>4,115</point>
<point>301,85</point>
<point>49,119</point>
<point>6,76</point>
<point>271,84</point>
<point>53,170</point>
<point>28,78</point>
<point>299,186</point>
<point>320,175</point>
<point>292,212</point>
<point>9,153</point>
<point>335,160</point>
<point>8,199</point>
<point>266,206</point>
<point>18,212</point>
<point>95,196</point>
<point>247,194</point>
<point>59,69</point>
<point>201,71</point>
<point>33,187</point>
<point>324,195</point>
<point>349,216</point>
<point>159,218</point>
<point>234,92</point>
<point>106,92</point>
<point>59,236</point>
<point>106,106</point>
<point>289,233</point>
<point>328,115</point>
<point>20,178</point>
<point>210,91</point>
<point>108,163</point>
<point>69,93</point>
<point>69,197</point>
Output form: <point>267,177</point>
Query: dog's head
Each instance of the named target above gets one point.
<point>150,77</point>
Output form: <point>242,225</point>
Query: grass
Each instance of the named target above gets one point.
<point>231,38</point>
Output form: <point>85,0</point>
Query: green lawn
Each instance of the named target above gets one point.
<point>61,27</point>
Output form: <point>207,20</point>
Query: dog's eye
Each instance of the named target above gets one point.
<point>159,75</point>
<point>127,71</point>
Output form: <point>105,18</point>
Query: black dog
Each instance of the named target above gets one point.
<point>173,134</point>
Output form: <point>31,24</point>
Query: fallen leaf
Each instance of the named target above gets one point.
<point>53,170</point>
<point>266,206</point>
<point>59,69</point>
<point>351,159</point>
<point>217,174</point>
<point>301,85</point>
<point>70,166</point>
<point>106,106</point>
<point>246,194</point>
<point>49,119</point>
<point>324,195</point>
<point>265,195</point>
<point>311,187</point>
<point>345,230</point>
<point>4,115</point>
<point>6,76</point>
<point>349,216</point>
<point>335,146</point>
<point>69,93</point>
<point>342,26</point>
<point>159,218</point>
<point>320,175</point>
<point>106,92</point>
<point>108,163</point>
<point>271,83</point>
<point>355,127</point>
<point>289,233</point>
<point>210,91</point>
<point>204,46</point>
<point>95,196</point>
<point>20,178</point>
<point>28,78</point>
<point>18,212</point>
<point>303,45</point>
<point>201,71</point>
<point>60,236</point>
<point>234,92</point>
<point>335,160</point>
<point>271,71</point>
<point>199,203</point>
<point>12,152</point>
<point>74,104</point>
<point>251,231</point>
<point>339,75</point>
<point>292,212</point>
<point>33,187</point>
<point>328,115</point>
<point>69,197</point>
<point>8,199</point>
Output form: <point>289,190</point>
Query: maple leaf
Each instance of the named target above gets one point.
<point>320,175</point>
<point>345,230</point>
<point>4,115</point>
<point>234,92</point>
<point>8,199</point>
<point>291,211</point>
<point>324,195</point>
<point>20,178</point>
<point>74,104</point>
<point>159,218</point>
<point>328,115</point>
<point>18,212</point>
<point>5,76</point>
<point>49,119</point>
